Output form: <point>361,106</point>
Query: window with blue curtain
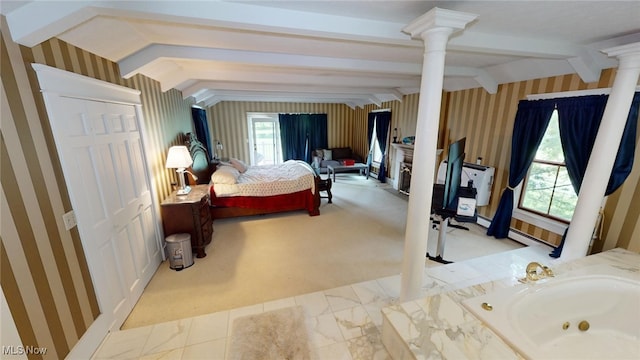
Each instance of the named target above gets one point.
<point>378,133</point>
<point>579,121</point>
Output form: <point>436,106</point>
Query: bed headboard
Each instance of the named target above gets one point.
<point>202,167</point>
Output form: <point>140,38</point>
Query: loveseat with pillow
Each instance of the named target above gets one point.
<point>334,156</point>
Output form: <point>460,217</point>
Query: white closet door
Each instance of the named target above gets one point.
<point>97,130</point>
<point>101,152</point>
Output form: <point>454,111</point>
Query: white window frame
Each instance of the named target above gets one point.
<point>258,116</point>
<point>545,162</point>
<point>532,218</point>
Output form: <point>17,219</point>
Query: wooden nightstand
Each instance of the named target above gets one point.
<point>189,214</point>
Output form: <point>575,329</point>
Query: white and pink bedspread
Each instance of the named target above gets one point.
<point>268,180</point>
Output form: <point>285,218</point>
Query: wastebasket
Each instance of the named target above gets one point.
<point>179,250</point>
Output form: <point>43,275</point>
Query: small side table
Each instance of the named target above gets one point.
<point>189,214</point>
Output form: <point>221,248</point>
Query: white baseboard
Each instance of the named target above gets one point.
<point>516,235</point>
<point>91,340</point>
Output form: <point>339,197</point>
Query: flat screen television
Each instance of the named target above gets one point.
<point>455,161</point>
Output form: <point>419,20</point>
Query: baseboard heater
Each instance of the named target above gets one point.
<point>516,235</point>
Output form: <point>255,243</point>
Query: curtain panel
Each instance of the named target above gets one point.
<point>532,119</point>
<point>579,119</point>
<point>202,129</point>
<point>318,134</point>
<point>300,134</point>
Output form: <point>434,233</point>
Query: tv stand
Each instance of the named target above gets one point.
<point>457,226</point>
<point>438,259</point>
<point>442,238</point>
<point>442,216</point>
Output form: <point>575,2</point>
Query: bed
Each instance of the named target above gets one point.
<point>292,186</point>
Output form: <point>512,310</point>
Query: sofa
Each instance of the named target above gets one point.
<point>321,158</point>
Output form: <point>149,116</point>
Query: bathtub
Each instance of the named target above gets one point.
<point>593,313</point>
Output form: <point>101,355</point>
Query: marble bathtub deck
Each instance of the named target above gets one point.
<point>342,323</point>
<point>440,327</point>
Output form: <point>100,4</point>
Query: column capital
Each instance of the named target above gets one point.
<point>629,54</point>
<point>438,18</point>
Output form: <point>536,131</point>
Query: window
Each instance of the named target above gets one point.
<point>264,139</point>
<point>375,147</point>
<point>547,189</point>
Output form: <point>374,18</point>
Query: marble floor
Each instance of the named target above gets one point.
<point>342,323</point>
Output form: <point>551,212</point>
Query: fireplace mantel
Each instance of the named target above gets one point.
<point>405,147</point>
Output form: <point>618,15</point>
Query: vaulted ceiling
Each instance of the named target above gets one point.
<point>351,52</point>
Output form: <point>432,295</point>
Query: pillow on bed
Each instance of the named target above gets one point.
<point>225,175</point>
<point>239,165</point>
<point>328,154</point>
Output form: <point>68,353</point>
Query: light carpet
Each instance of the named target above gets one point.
<point>359,237</point>
<point>278,335</point>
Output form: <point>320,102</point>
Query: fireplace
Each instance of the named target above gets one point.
<point>403,157</point>
<point>404,183</point>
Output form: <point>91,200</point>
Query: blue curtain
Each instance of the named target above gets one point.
<point>624,158</point>
<point>532,119</point>
<point>318,138</point>
<point>293,137</point>
<point>383,119</point>
<point>202,128</point>
<point>302,133</point>
<point>579,119</point>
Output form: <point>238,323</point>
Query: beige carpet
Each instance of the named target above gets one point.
<point>277,335</point>
<point>257,259</point>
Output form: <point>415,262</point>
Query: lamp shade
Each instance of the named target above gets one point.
<point>179,157</point>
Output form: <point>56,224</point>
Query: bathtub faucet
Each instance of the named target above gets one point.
<point>534,275</point>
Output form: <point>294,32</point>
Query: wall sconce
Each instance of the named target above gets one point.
<point>179,158</point>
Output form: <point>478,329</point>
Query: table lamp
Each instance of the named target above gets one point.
<point>180,159</point>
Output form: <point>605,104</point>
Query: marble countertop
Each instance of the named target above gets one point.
<point>440,327</point>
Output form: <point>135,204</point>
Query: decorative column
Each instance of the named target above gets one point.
<point>434,28</point>
<point>596,176</point>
